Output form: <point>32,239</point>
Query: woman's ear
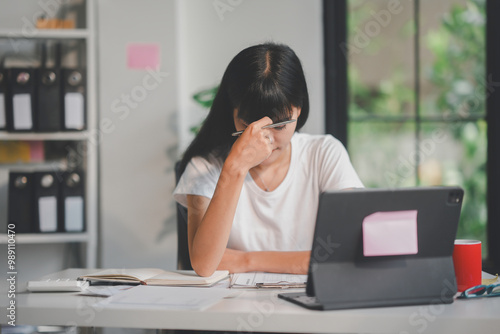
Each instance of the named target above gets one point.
<point>298,110</point>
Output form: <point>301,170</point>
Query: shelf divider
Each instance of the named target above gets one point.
<point>42,238</point>
<point>74,135</point>
<point>44,33</point>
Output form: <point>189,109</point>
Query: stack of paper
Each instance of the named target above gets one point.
<point>488,279</point>
<point>175,298</point>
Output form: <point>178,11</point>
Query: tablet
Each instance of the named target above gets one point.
<point>382,247</point>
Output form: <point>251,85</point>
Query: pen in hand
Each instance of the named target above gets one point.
<point>236,134</point>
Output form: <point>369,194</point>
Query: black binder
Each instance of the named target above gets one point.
<point>73,99</point>
<point>46,202</point>
<point>20,201</point>
<point>49,101</point>
<point>22,99</point>
<point>49,92</point>
<point>3,99</point>
<point>72,201</point>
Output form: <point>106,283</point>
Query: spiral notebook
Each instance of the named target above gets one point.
<point>267,280</point>
<point>154,276</point>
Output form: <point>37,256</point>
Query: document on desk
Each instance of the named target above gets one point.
<point>268,280</point>
<point>174,298</point>
<point>104,291</point>
<point>488,279</point>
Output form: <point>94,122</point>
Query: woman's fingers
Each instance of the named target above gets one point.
<point>255,144</point>
<point>257,126</point>
<point>262,122</point>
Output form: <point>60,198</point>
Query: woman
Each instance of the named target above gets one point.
<point>252,200</point>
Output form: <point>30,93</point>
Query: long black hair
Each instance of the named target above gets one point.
<point>262,80</point>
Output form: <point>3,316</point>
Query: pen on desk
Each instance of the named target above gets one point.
<point>235,134</point>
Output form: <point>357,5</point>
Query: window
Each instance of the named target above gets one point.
<point>414,112</point>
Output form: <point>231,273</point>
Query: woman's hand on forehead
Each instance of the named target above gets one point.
<point>254,145</point>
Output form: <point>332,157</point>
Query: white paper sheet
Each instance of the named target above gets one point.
<point>175,298</point>
<point>104,290</point>
<point>47,210</point>
<point>74,111</point>
<point>22,112</point>
<point>489,278</point>
<point>73,213</point>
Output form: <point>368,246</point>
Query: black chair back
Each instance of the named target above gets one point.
<point>183,261</point>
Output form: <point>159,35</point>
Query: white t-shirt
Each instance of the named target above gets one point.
<point>282,219</point>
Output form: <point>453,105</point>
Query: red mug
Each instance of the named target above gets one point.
<point>467,260</point>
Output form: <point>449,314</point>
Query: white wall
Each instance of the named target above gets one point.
<point>138,151</point>
<point>137,210</point>
<point>212,32</point>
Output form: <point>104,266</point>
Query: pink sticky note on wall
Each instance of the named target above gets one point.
<point>390,233</point>
<point>143,56</point>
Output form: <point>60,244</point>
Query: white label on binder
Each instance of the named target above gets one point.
<point>47,211</point>
<point>73,111</point>
<point>73,214</point>
<point>22,112</point>
<point>2,111</point>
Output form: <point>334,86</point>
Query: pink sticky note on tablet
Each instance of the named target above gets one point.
<point>390,233</point>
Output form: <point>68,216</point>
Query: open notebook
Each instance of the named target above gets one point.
<point>152,276</point>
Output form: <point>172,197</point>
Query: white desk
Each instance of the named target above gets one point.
<point>255,310</point>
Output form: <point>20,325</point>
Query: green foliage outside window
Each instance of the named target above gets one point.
<point>458,73</point>
<point>453,102</point>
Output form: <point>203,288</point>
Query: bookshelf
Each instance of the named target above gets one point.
<point>16,36</point>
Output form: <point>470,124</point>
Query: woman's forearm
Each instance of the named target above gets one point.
<point>279,262</point>
<point>273,262</point>
<point>210,239</point>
